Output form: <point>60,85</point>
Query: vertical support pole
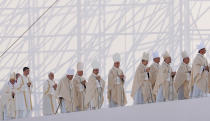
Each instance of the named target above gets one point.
<point>186,27</point>
<point>79,42</point>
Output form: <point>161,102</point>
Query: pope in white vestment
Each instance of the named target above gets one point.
<point>9,96</point>
<point>49,97</point>
<point>1,108</point>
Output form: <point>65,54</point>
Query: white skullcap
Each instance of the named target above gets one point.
<point>145,56</point>
<point>116,57</point>
<point>184,54</point>
<point>95,64</point>
<point>13,75</point>
<point>80,66</point>
<point>166,55</point>
<point>201,46</point>
<point>155,55</point>
<point>70,71</point>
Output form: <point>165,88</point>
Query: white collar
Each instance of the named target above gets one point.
<point>78,76</point>
<point>143,65</point>
<point>94,75</point>
<point>116,68</point>
<point>200,54</point>
<point>166,63</point>
<point>156,63</point>
<point>50,80</point>
<point>25,76</point>
<point>184,64</point>
<point>10,84</point>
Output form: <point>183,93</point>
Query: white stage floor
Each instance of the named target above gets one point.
<point>186,110</point>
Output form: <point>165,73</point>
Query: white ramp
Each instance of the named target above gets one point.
<point>187,110</point>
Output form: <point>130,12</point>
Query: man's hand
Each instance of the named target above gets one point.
<point>173,74</point>
<point>98,77</point>
<point>13,94</point>
<point>122,76</point>
<point>83,82</point>
<point>55,86</point>
<point>206,68</point>
<point>147,69</point>
<point>60,99</point>
<point>29,84</point>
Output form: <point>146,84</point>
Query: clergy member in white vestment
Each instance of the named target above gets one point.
<point>49,96</point>
<point>116,79</point>
<point>24,95</point>
<point>154,68</point>
<point>65,92</point>
<point>142,88</point>
<point>199,79</point>
<point>80,87</point>
<point>153,72</point>
<point>1,108</point>
<point>9,95</point>
<point>94,97</point>
<point>164,85</point>
<point>182,78</point>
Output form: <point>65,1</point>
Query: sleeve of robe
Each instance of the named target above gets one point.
<point>76,84</point>
<point>10,104</point>
<point>20,86</point>
<point>138,80</point>
<point>196,69</point>
<point>209,81</point>
<point>195,74</point>
<point>110,84</point>
<point>180,78</point>
<point>46,89</point>
<point>153,74</point>
<point>58,89</point>
<point>161,80</point>
<point>91,88</point>
<point>1,109</point>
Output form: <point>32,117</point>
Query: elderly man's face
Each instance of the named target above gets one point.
<point>117,64</point>
<point>96,71</point>
<point>186,60</point>
<point>70,77</point>
<point>80,73</point>
<point>12,81</point>
<point>156,60</point>
<point>51,76</point>
<point>168,60</point>
<point>145,62</point>
<point>202,51</point>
